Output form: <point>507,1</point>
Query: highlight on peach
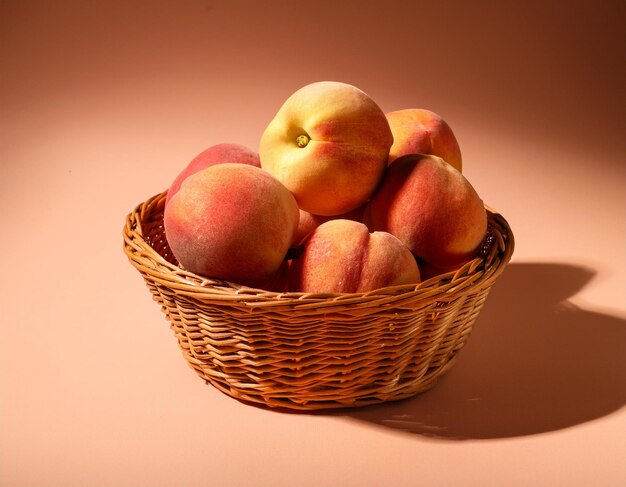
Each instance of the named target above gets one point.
<point>339,197</point>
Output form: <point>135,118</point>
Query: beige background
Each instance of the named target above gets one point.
<point>103,103</point>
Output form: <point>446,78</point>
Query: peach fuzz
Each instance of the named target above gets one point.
<point>342,256</point>
<point>233,222</point>
<point>431,207</point>
<point>420,131</point>
<point>428,270</point>
<point>277,282</point>
<point>309,222</point>
<point>216,154</point>
<point>328,144</point>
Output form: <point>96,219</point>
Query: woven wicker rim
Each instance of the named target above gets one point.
<point>483,270</point>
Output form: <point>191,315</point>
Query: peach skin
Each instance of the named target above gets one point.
<point>431,207</point>
<point>428,270</point>
<point>216,154</point>
<point>328,144</point>
<point>342,256</point>
<point>309,222</point>
<point>277,282</point>
<point>233,222</point>
<point>420,131</point>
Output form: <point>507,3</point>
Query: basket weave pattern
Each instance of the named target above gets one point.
<point>315,351</point>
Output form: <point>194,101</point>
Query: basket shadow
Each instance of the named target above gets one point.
<point>534,363</point>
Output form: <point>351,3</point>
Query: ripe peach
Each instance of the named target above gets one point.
<point>231,221</point>
<point>343,256</point>
<point>216,154</point>
<point>420,131</point>
<point>328,144</point>
<point>431,207</point>
<point>309,222</point>
<point>428,270</point>
<point>277,282</point>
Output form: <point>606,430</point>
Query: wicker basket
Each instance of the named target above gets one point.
<point>315,351</point>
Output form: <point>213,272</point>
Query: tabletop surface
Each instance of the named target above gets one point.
<point>103,105</point>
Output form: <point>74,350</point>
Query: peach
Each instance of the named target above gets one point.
<point>216,154</point>
<point>428,270</point>
<point>309,222</point>
<point>431,207</point>
<point>277,282</point>
<point>233,222</point>
<point>328,144</point>
<point>343,256</point>
<point>420,131</point>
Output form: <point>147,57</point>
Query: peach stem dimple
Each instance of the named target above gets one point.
<point>302,140</point>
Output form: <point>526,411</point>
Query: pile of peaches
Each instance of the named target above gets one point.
<point>340,197</point>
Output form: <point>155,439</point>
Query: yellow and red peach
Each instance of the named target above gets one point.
<point>233,222</point>
<point>421,131</point>
<point>309,222</point>
<point>277,282</point>
<point>216,154</point>
<point>342,256</point>
<point>328,144</point>
<point>431,207</point>
<point>428,270</point>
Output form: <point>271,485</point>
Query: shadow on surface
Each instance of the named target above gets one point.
<point>534,363</point>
